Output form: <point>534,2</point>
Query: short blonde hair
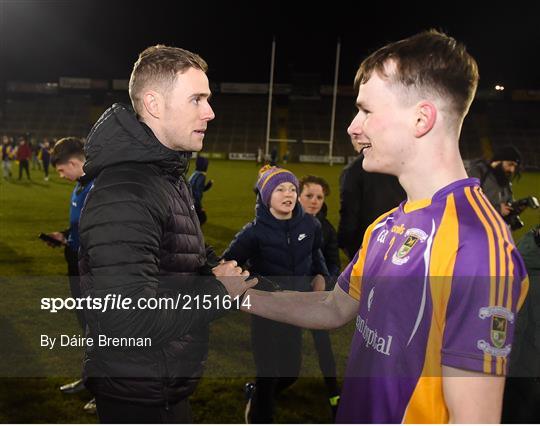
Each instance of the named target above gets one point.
<point>159,65</point>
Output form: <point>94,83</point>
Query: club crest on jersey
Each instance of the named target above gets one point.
<point>500,317</point>
<point>498,331</point>
<point>412,236</point>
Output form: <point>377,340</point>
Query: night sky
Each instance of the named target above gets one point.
<point>43,40</point>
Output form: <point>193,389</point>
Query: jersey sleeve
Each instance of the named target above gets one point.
<point>487,288</point>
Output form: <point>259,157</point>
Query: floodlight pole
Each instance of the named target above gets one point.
<point>270,93</point>
<point>333,119</point>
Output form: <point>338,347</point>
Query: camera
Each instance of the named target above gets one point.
<point>518,206</point>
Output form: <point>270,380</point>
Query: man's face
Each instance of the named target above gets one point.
<point>380,128</point>
<point>72,170</point>
<point>187,111</point>
<point>509,168</point>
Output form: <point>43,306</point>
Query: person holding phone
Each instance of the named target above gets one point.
<point>68,160</point>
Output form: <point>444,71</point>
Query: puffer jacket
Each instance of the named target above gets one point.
<point>287,251</point>
<point>330,249</point>
<point>497,189</point>
<point>140,238</point>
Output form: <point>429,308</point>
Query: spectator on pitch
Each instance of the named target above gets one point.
<point>7,156</point>
<point>437,283</point>
<point>260,157</point>
<point>140,239</point>
<point>496,177</point>
<point>36,151</point>
<point>199,186</point>
<point>46,157</point>
<point>364,197</point>
<point>273,157</point>
<point>313,192</point>
<point>24,153</point>
<point>283,245</point>
<point>68,159</point>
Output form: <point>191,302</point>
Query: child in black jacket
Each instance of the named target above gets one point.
<point>282,243</point>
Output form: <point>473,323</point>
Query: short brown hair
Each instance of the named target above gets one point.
<point>306,180</point>
<point>66,149</point>
<point>429,62</point>
<point>160,64</point>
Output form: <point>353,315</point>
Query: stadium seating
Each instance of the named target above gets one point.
<point>240,123</point>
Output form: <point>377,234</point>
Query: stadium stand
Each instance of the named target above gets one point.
<point>240,123</point>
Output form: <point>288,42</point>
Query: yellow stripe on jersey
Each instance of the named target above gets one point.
<point>411,206</point>
<point>427,401</point>
<point>501,272</point>
<point>509,248</point>
<point>523,294</point>
<point>505,278</point>
<point>492,272</point>
<point>355,280</point>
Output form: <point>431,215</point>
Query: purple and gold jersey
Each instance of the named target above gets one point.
<point>439,282</point>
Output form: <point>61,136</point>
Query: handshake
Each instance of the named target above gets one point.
<point>229,272</point>
<point>235,279</point>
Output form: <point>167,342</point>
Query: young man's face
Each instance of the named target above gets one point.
<point>283,200</point>
<point>381,127</point>
<point>72,170</point>
<point>312,198</point>
<point>186,111</point>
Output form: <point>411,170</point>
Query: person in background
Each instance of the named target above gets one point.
<point>36,150</point>
<point>313,192</point>
<point>364,196</point>
<point>496,177</point>
<point>7,156</point>
<point>46,157</point>
<point>199,186</point>
<point>68,159</point>
<point>23,156</point>
<point>522,391</point>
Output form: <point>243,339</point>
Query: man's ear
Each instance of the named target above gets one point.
<point>426,115</point>
<point>153,102</point>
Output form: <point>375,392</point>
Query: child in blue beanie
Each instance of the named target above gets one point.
<point>282,244</point>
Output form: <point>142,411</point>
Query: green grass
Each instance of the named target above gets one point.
<point>30,375</point>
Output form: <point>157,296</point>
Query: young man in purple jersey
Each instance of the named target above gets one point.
<point>437,282</point>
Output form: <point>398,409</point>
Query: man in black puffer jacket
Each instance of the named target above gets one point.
<point>141,239</point>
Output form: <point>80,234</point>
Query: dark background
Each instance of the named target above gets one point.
<point>43,40</point>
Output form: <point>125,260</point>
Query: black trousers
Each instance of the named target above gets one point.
<point>327,362</point>
<point>23,165</point>
<point>277,350</point>
<point>46,168</point>
<point>72,259</point>
<point>116,411</point>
